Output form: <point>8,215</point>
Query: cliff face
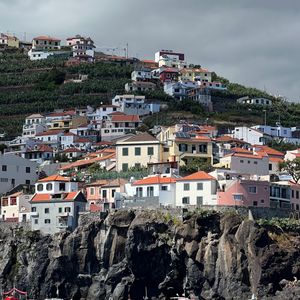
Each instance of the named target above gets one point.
<point>212,257</point>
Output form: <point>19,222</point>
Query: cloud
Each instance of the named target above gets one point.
<point>252,42</point>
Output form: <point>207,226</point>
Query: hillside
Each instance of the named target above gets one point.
<point>36,86</point>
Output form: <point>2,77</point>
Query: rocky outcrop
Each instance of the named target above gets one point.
<point>130,254</point>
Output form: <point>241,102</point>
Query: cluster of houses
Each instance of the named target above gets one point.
<point>245,172</point>
<point>179,79</point>
<point>46,174</point>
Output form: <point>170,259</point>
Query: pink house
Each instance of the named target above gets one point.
<point>295,195</point>
<point>101,193</point>
<point>244,193</point>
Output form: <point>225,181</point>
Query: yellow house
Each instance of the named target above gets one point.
<point>181,147</point>
<point>195,74</point>
<point>137,151</point>
<point>9,41</point>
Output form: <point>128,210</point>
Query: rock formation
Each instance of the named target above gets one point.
<point>130,254</point>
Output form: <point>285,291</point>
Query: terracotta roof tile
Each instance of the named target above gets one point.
<point>155,180</point>
<point>201,175</point>
<point>55,178</point>
<point>125,118</point>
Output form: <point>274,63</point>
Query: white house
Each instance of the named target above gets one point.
<point>161,187</point>
<point>140,86</point>
<point>81,46</point>
<point>196,189</point>
<point>275,131</point>
<point>179,90</point>
<point>292,154</point>
<point>135,105</point>
<point>34,124</point>
<point>15,170</point>
<point>246,163</point>
<point>56,205</point>
<point>249,135</point>
<point>52,137</point>
<point>254,101</point>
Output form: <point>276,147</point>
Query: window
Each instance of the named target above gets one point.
<point>4,168</point>
<point>47,221</point>
<point>255,162</point>
<point>113,193</point>
<point>33,209</point>
<point>36,221</point>
<point>262,201</point>
<point>49,186</point>
<point>60,210</point>
<point>248,161</point>
<point>125,151</point>
<point>270,167</point>
<point>27,169</point>
<point>237,197</point>
<point>92,191</point>
<point>186,186</point>
<point>27,181</point>
<point>186,200</point>
<point>46,210</point>
<point>164,188</point>
<point>199,186</point>
<point>104,194</point>
<point>39,187</point>
<point>62,186</point>
<point>150,150</point>
<point>139,192</point>
<point>297,194</point>
<point>252,189</point>
<point>297,206</point>
<point>124,167</point>
<point>199,201</point>
<point>241,161</point>
<point>203,148</point>
<point>182,147</point>
<point>67,209</point>
<point>254,203</point>
<point>137,151</point>
<point>150,191</point>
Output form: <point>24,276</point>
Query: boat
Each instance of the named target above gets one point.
<point>14,294</point>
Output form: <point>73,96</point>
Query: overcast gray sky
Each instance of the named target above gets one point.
<point>253,42</point>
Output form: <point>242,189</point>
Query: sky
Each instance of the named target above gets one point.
<point>251,42</point>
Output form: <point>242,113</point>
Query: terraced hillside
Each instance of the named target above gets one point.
<point>37,86</point>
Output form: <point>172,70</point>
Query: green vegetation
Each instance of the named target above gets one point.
<point>283,224</point>
<point>292,167</point>
<point>195,165</point>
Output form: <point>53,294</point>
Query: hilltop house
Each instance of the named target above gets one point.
<point>45,43</point>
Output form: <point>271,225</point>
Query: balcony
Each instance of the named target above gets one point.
<point>34,214</point>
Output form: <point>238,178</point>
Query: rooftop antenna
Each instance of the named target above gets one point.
<point>127,53</point>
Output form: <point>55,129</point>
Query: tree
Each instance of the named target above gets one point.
<point>292,167</point>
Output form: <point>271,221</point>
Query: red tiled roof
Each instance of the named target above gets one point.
<point>64,113</point>
<point>125,118</point>
<point>155,180</point>
<point>55,178</point>
<point>201,175</point>
<point>47,197</point>
<point>268,150</point>
<point>69,150</point>
<point>46,38</point>
<point>275,159</point>
<point>41,197</point>
<point>241,150</point>
<point>83,140</point>
<point>41,148</point>
<point>71,195</point>
<point>249,155</point>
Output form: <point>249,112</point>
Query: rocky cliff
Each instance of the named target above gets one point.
<point>211,256</point>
